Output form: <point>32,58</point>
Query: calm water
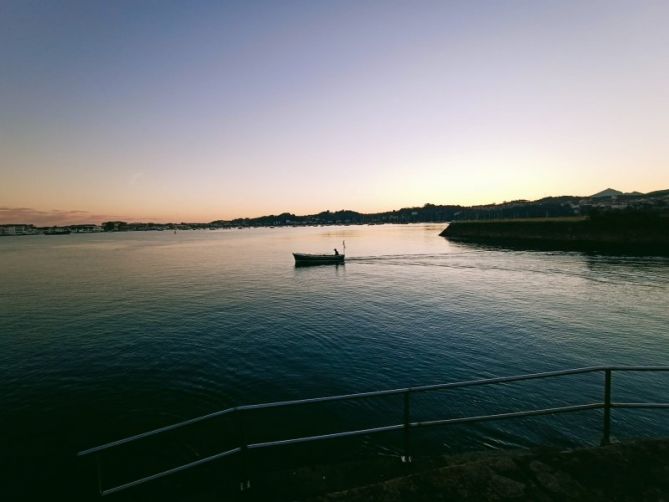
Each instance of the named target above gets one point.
<point>112,334</point>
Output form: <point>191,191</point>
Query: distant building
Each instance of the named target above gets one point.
<point>85,228</point>
<point>14,229</point>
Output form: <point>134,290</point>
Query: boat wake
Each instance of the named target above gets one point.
<point>606,272</point>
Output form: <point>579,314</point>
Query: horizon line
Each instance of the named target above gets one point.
<point>98,219</point>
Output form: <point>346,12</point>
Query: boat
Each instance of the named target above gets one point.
<point>318,259</point>
<point>303,259</point>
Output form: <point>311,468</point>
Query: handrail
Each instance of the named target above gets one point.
<point>513,414</point>
<point>170,471</point>
<point>342,397</point>
<point>153,432</point>
<point>407,425</point>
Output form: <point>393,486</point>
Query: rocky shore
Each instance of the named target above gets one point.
<point>636,470</point>
<point>623,471</point>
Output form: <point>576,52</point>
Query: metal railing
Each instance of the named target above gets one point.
<point>243,449</point>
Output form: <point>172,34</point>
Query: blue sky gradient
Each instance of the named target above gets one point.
<point>194,111</point>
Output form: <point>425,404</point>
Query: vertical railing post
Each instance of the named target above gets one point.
<point>98,468</point>
<point>406,458</point>
<point>606,437</point>
<point>244,481</point>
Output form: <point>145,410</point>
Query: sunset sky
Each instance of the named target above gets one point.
<point>195,111</point>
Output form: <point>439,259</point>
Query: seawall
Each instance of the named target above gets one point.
<point>618,230</point>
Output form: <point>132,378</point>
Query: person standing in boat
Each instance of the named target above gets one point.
<point>336,252</point>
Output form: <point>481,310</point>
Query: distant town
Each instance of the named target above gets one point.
<point>548,207</point>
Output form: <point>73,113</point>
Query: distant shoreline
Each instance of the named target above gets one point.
<point>608,201</point>
<point>170,227</point>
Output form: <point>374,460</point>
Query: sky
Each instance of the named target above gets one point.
<point>204,110</point>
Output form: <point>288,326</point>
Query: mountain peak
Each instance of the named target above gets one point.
<point>609,192</point>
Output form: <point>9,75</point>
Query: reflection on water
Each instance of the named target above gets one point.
<point>586,248</point>
<point>306,264</point>
<point>111,334</point>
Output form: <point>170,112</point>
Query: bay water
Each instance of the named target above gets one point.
<point>107,335</point>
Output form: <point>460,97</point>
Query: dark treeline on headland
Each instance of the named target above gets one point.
<point>549,207</point>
